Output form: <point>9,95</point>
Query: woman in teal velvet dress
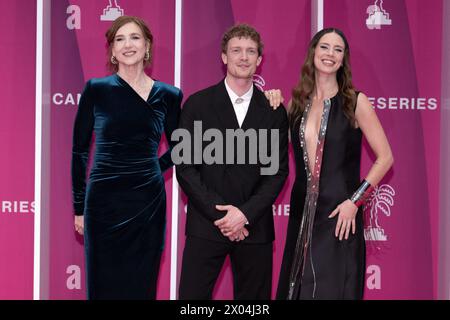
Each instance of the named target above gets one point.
<point>121,211</point>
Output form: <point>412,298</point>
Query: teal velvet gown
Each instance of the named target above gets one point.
<point>124,200</point>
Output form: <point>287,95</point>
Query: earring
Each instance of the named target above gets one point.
<point>147,55</point>
<point>113,60</point>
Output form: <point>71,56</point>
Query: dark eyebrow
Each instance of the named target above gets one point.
<point>338,46</point>
<point>133,34</point>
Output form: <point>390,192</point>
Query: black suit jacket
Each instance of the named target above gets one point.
<point>241,185</point>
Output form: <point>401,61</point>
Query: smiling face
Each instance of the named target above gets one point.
<point>329,53</point>
<point>129,46</point>
<point>241,57</point>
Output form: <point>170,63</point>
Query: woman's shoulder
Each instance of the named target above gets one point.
<point>168,88</point>
<point>96,86</point>
<point>108,80</point>
<point>362,102</point>
<point>360,97</point>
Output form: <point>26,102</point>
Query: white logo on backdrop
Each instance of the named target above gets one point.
<point>381,200</point>
<point>73,281</point>
<point>74,20</point>
<point>66,99</point>
<point>17,206</point>
<point>404,103</point>
<point>281,209</point>
<point>111,12</point>
<point>373,277</point>
<point>259,81</point>
<point>377,16</point>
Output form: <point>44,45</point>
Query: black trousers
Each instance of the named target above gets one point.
<point>203,260</point>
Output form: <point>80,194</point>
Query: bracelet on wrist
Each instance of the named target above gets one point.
<point>362,193</point>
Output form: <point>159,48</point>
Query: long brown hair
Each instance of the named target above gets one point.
<point>111,33</point>
<point>306,85</point>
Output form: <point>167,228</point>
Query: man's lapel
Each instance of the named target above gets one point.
<point>224,108</point>
<point>253,116</point>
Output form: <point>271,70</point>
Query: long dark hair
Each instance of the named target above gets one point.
<point>305,87</point>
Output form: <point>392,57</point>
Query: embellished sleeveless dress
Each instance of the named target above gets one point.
<point>316,265</point>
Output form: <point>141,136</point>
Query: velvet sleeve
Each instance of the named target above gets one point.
<point>170,124</point>
<point>82,135</point>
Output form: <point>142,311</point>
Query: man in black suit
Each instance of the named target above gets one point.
<point>230,200</point>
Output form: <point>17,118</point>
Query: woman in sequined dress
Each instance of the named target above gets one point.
<point>324,256</point>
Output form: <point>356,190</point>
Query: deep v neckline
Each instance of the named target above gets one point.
<point>320,139</point>
<point>304,238</point>
<point>315,132</point>
<point>150,94</point>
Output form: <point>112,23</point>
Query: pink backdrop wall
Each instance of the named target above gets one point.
<point>17,116</point>
<point>397,65</point>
